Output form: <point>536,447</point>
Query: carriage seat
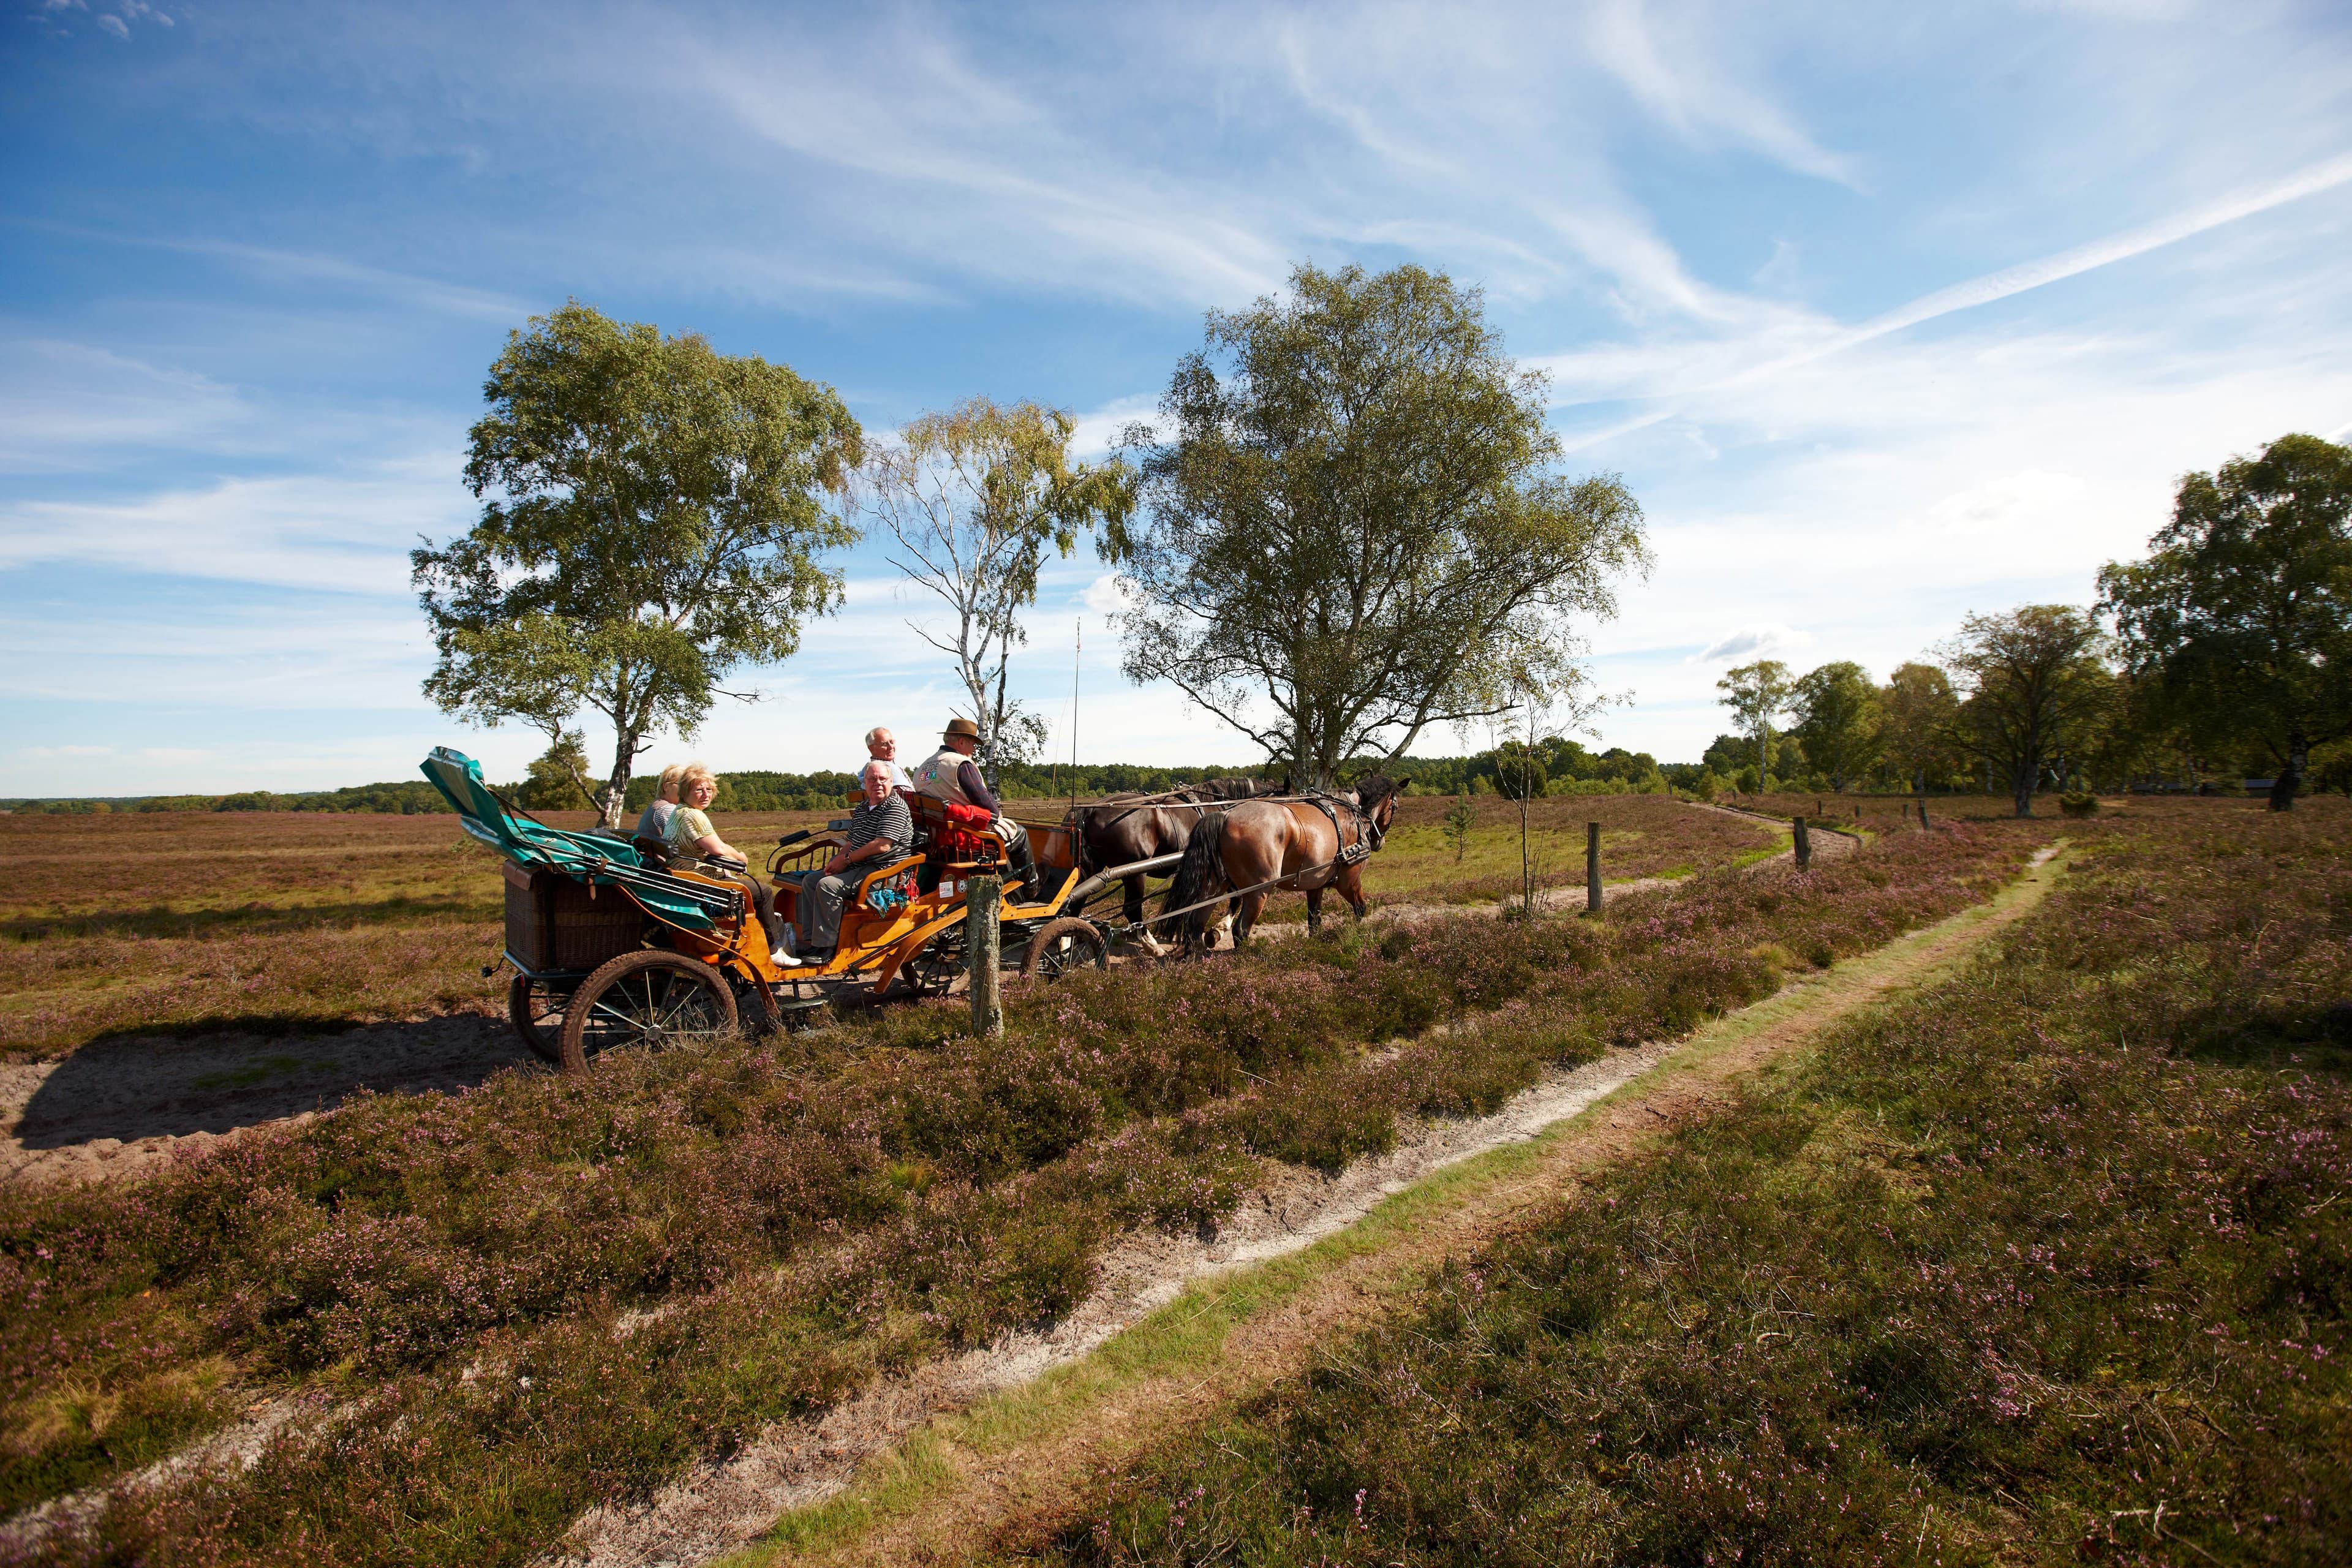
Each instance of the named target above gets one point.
<point>947,832</point>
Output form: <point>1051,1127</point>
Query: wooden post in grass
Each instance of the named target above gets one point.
<point>1923,814</point>
<point>1804,846</point>
<point>980,895</point>
<point>1593,867</point>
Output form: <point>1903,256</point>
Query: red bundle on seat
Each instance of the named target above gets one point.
<point>970,818</point>
<point>957,845</point>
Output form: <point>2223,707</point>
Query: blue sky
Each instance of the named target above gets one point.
<point>1885,313</point>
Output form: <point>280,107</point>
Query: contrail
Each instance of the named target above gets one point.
<point>1994,286</point>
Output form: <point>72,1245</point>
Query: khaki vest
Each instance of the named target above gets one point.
<point>940,776</point>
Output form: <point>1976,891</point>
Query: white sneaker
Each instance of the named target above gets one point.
<point>784,960</point>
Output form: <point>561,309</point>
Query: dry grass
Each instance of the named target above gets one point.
<point>261,922</point>
<point>1641,835</point>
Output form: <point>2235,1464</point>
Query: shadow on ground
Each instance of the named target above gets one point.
<point>119,1105</point>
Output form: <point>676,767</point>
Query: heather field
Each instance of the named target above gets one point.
<point>273,924</point>
<point>2049,1263</point>
<point>480,1313</point>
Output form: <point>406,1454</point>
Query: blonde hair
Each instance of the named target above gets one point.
<point>669,778</point>
<point>694,774</point>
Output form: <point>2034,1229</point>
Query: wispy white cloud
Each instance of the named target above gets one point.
<point>1767,640</point>
<point>348,532</point>
<point>1678,80</point>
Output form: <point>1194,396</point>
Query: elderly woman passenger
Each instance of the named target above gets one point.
<point>655,824</point>
<point>691,834</point>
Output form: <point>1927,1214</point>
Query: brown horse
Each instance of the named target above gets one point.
<point>1125,828</point>
<point>1310,845</point>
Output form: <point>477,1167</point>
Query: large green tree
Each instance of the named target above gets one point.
<point>1757,694</point>
<point>1916,710</point>
<point>1356,527</point>
<point>653,518</point>
<point>2242,610</point>
<point>973,499</point>
<point>1837,722</point>
<point>2033,687</point>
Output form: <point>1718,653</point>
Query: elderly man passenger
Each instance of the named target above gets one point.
<point>950,774</point>
<point>880,829</point>
<point>882,747</point>
<point>691,834</point>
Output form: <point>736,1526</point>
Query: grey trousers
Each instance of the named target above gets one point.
<point>820,906</point>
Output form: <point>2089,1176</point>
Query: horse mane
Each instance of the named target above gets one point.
<point>1370,792</point>
<point>1233,789</point>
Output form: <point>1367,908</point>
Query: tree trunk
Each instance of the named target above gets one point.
<point>615,793</point>
<point>2027,775</point>
<point>2289,784</point>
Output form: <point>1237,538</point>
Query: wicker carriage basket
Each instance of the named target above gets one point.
<point>555,923</point>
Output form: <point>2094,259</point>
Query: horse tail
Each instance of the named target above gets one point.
<point>1199,870</point>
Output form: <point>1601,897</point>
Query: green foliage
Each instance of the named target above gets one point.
<point>1838,723</point>
<point>1354,529</point>
<point>1757,694</point>
<point>972,498</point>
<point>2243,612</point>
<point>2036,688</point>
<point>654,524</point>
<point>1519,772</point>
<point>554,781</point>
<point>1459,820</point>
<point>1916,712</point>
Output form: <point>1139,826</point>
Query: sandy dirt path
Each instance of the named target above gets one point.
<point>119,1109</point>
<point>936,1468</point>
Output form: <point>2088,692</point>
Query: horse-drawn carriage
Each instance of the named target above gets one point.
<point>612,945</point>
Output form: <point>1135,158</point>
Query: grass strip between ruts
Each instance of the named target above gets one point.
<point>1192,1329</point>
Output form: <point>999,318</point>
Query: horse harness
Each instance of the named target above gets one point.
<point>1368,836</point>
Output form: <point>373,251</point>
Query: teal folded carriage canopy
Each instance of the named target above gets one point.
<point>603,859</point>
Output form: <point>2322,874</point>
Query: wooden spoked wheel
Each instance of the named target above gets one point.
<point>1064,945</point>
<point>536,1014</point>
<point>942,960</point>
<point>646,999</point>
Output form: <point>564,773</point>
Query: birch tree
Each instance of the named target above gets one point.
<point>972,499</point>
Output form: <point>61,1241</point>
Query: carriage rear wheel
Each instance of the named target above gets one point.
<point>1062,946</point>
<point>646,999</point>
<point>536,1013</point>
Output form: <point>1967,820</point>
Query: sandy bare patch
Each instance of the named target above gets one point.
<point>118,1108</point>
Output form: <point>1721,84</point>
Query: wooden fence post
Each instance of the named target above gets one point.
<point>1593,867</point>
<point>981,897</point>
<point>1804,846</point>
<point>1923,814</point>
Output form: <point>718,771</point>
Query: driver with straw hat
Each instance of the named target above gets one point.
<point>950,774</point>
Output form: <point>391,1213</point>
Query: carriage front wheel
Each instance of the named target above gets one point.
<point>646,999</point>
<point>1064,945</point>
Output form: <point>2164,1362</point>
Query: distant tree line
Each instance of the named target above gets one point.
<point>2218,658</point>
